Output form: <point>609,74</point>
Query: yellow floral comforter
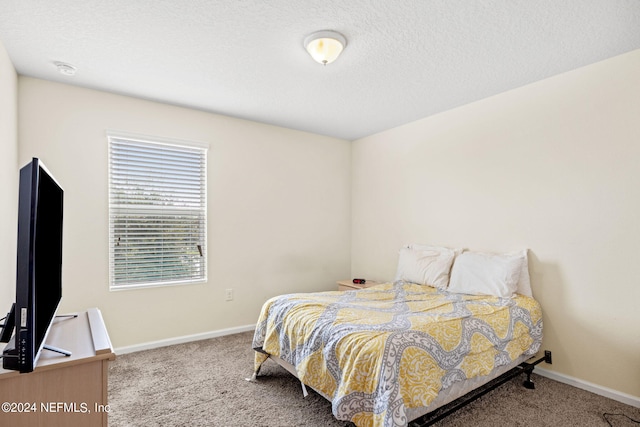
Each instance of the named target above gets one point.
<point>378,351</point>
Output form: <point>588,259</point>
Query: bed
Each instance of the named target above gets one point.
<point>391,353</point>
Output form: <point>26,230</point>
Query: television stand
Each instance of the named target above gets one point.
<point>66,391</point>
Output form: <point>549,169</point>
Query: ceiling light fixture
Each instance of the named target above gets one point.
<point>66,69</point>
<point>325,46</point>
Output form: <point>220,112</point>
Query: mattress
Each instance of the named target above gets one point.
<point>389,353</point>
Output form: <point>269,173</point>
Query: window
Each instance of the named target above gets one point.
<point>157,212</point>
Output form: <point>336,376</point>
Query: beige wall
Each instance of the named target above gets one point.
<point>8,180</point>
<point>279,209</point>
<point>553,166</point>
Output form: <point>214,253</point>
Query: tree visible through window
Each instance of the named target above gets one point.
<point>157,212</point>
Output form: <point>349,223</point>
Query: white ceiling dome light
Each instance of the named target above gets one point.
<point>325,46</point>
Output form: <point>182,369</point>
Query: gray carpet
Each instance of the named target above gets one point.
<point>203,384</point>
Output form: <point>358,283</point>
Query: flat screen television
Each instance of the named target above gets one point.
<point>39,267</point>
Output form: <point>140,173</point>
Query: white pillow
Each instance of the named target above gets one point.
<point>480,273</point>
<point>524,281</point>
<point>430,266</point>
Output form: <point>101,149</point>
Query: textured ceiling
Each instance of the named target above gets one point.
<point>404,60</point>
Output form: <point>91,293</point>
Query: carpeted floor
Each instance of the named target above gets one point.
<point>203,384</point>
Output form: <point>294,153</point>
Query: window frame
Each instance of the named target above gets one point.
<point>114,210</point>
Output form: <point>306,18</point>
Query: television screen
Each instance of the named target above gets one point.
<point>39,265</point>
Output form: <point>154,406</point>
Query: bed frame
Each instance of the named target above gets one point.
<point>446,408</point>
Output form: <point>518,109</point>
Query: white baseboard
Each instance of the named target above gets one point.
<point>183,339</point>
<point>593,388</point>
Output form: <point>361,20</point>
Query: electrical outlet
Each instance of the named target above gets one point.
<point>547,356</point>
<point>229,295</point>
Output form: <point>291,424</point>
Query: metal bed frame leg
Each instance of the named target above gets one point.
<point>528,383</point>
<point>528,369</point>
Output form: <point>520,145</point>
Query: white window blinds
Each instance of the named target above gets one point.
<point>157,212</point>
